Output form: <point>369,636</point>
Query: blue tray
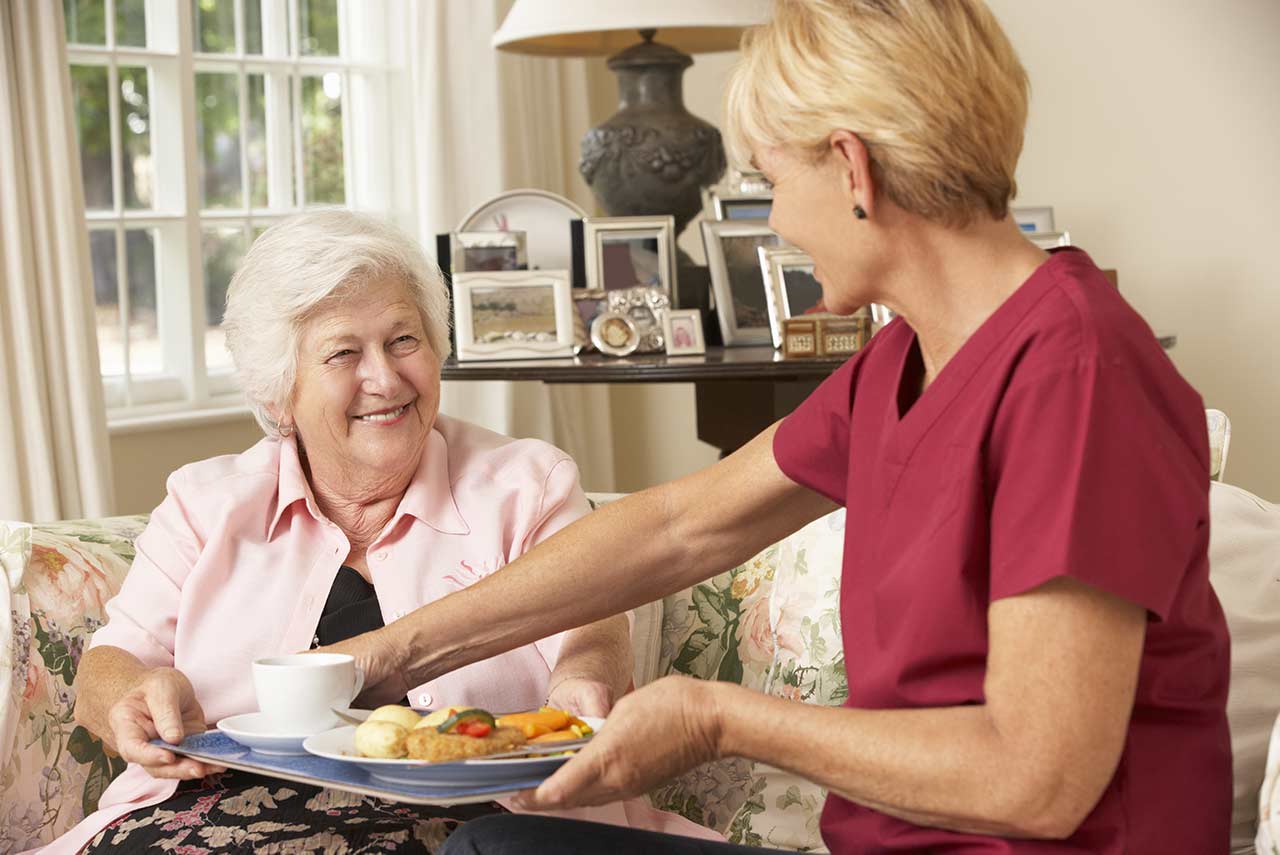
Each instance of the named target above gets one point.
<point>215,747</point>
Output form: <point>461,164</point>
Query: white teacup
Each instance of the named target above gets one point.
<point>297,693</point>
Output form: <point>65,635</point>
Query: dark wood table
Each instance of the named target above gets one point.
<point>740,390</point>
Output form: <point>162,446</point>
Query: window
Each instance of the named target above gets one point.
<point>200,123</point>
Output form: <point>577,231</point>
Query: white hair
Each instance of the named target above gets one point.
<point>296,265</point>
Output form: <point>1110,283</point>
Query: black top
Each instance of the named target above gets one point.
<point>352,609</point>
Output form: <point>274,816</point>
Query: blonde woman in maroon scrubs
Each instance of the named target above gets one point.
<point>1036,661</point>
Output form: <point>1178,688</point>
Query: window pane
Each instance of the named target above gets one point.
<point>253,26</point>
<point>319,27</point>
<point>106,301</point>
<point>218,131</point>
<point>85,21</point>
<point>322,138</point>
<point>145,354</point>
<point>93,133</point>
<point>215,22</point>
<point>135,144</point>
<point>256,141</point>
<point>223,248</point>
<point>131,23</point>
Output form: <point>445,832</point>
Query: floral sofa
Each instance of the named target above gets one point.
<point>771,624</point>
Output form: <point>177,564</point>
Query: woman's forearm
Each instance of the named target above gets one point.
<point>599,652</point>
<point>105,675</point>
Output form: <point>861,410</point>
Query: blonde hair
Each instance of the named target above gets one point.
<point>933,88</point>
<point>296,265</point>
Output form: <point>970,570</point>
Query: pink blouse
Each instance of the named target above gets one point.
<point>237,562</point>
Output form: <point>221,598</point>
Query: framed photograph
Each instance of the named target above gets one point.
<point>513,314</point>
<point>470,252</point>
<point>740,205</point>
<point>682,331</point>
<point>645,307</point>
<point>630,252</point>
<point>586,305</point>
<point>1031,220</point>
<point>1048,240</point>
<point>790,288</point>
<point>733,257</point>
<point>615,333</point>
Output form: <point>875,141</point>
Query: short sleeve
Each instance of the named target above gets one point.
<point>1095,478</point>
<point>143,617</point>
<point>811,445</point>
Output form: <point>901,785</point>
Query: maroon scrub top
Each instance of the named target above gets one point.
<point>1059,441</point>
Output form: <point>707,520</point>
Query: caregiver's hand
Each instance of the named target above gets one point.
<point>379,660</point>
<point>161,704</point>
<point>653,734</point>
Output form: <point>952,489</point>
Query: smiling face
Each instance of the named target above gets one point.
<point>813,209</point>
<point>368,384</point>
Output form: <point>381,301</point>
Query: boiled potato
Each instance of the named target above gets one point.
<point>382,739</point>
<point>436,718</point>
<point>401,715</point>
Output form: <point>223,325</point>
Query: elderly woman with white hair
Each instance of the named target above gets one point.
<point>361,504</point>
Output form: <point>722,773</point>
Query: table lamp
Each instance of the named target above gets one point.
<point>653,156</point>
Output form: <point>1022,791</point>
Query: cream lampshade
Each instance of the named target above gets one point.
<point>652,156</point>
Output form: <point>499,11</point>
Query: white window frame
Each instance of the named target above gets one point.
<point>371,155</point>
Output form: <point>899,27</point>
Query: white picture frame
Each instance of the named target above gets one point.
<point>790,287</point>
<point>742,303</point>
<point>682,332</point>
<point>1049,240</point>
<point>648,261</point>
<point>472,252</point>
<point>740,205</point>
<point>513,314</point>
<point>1031,220</point>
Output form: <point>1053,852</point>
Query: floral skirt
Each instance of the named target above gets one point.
<point>243,812</point>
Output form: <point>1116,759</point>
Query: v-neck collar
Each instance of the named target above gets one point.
<point>906,430</point>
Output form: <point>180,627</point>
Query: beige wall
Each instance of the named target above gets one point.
<point>1153,134</point>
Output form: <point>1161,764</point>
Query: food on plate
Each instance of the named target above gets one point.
<point>458,733</point>
<point>381,739</point>
<point>401,715</point>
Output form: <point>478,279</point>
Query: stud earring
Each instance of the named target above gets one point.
<point>859,213</point>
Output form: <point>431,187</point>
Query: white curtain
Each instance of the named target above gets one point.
<point>486,122</point>
<point>54,458</point>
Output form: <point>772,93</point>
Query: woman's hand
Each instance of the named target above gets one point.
<point>378,659</point>
<point>653,734</point>
<point>581,696</point>
<point>162,704</point>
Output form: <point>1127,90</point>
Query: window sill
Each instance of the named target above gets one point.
<point>125,422</point>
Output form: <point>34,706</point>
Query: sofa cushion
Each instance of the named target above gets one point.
<point>52,771</point>
<point>1244,568</point>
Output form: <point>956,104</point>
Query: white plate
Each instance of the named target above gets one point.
<point>252,731</point>
<point>544,218</point>
<point>340,744</point>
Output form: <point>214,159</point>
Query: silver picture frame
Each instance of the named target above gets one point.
<point>615,334</point>
<point>513,314</point>
<point>1049,240</point>
<point>790,287</point>
<point>742,304</point>
<point>682,332</point>
<point>471,252</point>
<point>648,259</point>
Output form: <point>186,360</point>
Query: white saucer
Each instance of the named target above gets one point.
<point>252,731</point>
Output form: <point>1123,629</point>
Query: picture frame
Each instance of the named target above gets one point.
<point>587,303</point>
<point>737,283</point>
<point>740,204</point>
<point>1049,240</point>
<point>1032,220</point>
<point>790,287</point>
<point>513,314</point>
<point>471,252</point>
<point>615,334</point>
<point>682,332</point>
<point>630,252</point>
<point>645,307</point>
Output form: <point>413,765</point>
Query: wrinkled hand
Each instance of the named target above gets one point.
<point>580,696</point>
<point>163,705</point>
<point>379,660</point>
<point>653,734</point>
